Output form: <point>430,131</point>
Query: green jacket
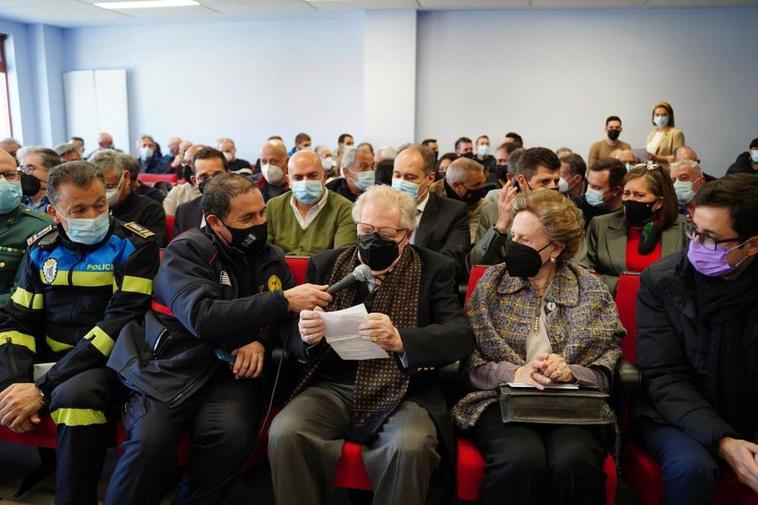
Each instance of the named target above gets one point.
<point>15,228</point>
<point>606,245</point>
<point>332,228</point>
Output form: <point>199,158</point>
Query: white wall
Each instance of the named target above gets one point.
<point>554,76</point>
<point>243,80</point>
<point>389,77</point>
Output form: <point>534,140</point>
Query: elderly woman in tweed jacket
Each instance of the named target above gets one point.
<point>539,320</point>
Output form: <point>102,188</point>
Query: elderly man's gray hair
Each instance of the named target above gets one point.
<point>109,160</point>
<point>386,198</point>
<point>694,165</point>
<point>459,170</point>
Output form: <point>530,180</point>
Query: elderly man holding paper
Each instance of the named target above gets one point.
<point>384,393</point>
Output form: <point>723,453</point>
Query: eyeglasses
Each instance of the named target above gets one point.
<point>11,176</point>
<point>385,232</point>
<point>28,169</point>
<point>706,240</point>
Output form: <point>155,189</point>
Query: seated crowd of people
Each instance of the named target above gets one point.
<point>106,314</point>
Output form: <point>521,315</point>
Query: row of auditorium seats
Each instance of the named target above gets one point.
<point>640,470</point>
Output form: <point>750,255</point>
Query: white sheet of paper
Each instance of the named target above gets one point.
<point>41,369</point>
<point>548,386</point>
<point>342,334</point>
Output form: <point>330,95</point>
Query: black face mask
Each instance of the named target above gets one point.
<point>638,213</point>
<point>614,134</point>
<point>501,172</point>
<point>186,172</point>
<point>30,185</point>
<point>468,155</point>
<point>249,241</point>
<point>377,252</point>
<point>201,187</point>
<point>474,195</point>
<point>523,261</point>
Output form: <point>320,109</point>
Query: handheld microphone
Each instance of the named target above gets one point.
<point>360,274</point>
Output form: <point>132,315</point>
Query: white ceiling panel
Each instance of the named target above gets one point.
<point>588,3</point>
<point>343,5</point>
<point>293,7</point>
<point>474,4</point>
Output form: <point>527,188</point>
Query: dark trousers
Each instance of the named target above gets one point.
<point>689,471</point>
<point>528,464</point>
<point>223,416</point>
<point>78,406</point>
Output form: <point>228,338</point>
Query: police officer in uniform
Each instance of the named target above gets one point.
<point>80,282</point>
<point>223,297</point>
<point>17,223</point>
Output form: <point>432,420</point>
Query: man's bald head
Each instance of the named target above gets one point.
<point>685,153</point>
<point>105,140</point>
<point>7,162</point>
<point>274,152</point>
<point>189,154</point>
<point>305,158</point>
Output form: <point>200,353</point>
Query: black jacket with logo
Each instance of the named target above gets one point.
<point>206,297</point>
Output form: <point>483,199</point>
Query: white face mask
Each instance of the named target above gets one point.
<point>229,156</point>
<point>327,163</point>
<point>563,185</point>
<point>145,153</point>
<point>272,173</point>
<point>113,194</point>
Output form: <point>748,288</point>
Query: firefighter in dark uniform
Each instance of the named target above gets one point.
<point>221,289</point>
<point>17,223</point>
<point>79,283</point>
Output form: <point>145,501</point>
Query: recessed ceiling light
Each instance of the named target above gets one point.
<point>146,4</point>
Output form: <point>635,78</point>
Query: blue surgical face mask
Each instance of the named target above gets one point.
<point>408,187</point>
<point>754,155</point>
<point>307,192</point>
<point>661,121</point>
<point>482,150</point>
<point>684,192</point>
<point>88,231</point>
<point>364,179</point>
<point>10,195</point>
<point>594,197</point>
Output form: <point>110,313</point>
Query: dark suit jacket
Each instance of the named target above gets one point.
<point>442,337</point>
<point>444,229</point>
<point>188,215</point>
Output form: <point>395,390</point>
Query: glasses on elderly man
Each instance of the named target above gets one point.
<point>383,231</point>
<point>706,240</point>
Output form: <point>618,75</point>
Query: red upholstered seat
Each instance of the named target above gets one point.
<point>170,220</point>
<point>626,303</point>
<point>151,179</point>
<point>44,435</point>
<point>299,267</point>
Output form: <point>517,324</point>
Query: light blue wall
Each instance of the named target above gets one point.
<point>20,72</point>
<point>245,80</point>
<point>46,48</point>
<point>554,76</point>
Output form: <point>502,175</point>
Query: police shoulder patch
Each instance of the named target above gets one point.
<point>37,236</point>
<point>138,230</point>
<point>274,283</point>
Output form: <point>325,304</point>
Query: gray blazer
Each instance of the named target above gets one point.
<point>606,245</point>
